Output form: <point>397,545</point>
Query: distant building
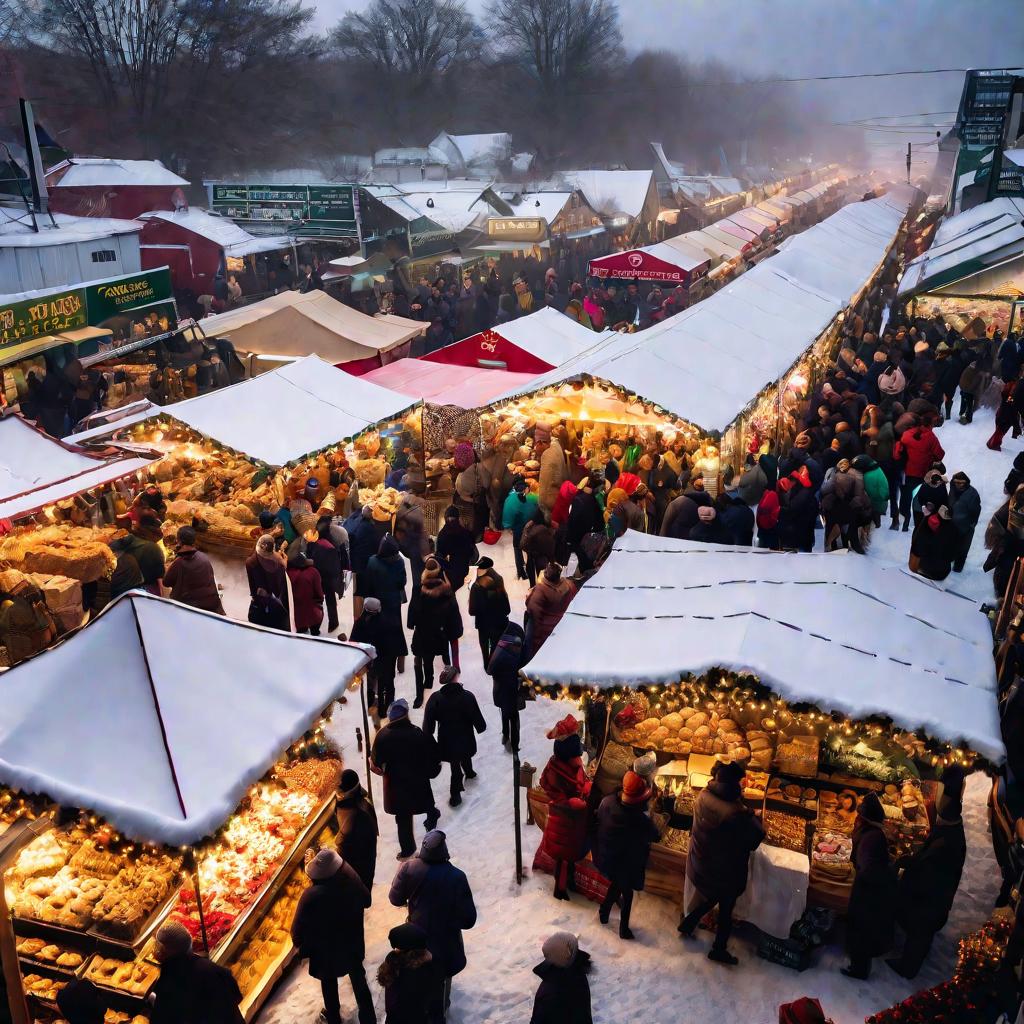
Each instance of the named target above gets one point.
<point>627,202</point>
<point>700,198</point>
<point>481,156</point>
<point>410,164</point>
<point>104,187</point>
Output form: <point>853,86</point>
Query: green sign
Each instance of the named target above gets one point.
<point>325,204</point>
<point>73,308</point>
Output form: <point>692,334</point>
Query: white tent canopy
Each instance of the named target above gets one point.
<point>291,411</point>
<point>222,231</point>
<point>36,470</point>
<point>549,335</point>
<point>168,714</point>
<point>844,633</point>
<point>707,363</point>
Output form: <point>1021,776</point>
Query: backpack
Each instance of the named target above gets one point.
<point>26,625</point>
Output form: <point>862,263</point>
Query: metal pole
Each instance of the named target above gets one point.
<point>199,904</point>
<point>366,749</point>
<point>518,816</point>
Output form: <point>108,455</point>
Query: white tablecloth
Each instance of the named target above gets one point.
<point>776,893</point>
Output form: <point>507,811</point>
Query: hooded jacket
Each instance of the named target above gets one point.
<point>434,616</point>
<point>752,484</point>
<point>413,987</point>
<point>191,581</point>
<point>563,996</point>
<point>408,759</point>
<point>307,593</point>
<point>723,837</point>
<point>546,604</point>
<point>488,603</point>
<point>921,450</point>
<point>455,714</point>
<point>504,669</point>
<point>328,924</point>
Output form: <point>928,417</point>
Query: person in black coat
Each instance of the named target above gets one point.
<point>455,714</point>
<point>80,1002</point>
<point>563,996</point>
<point>724,835</point>
<point>737,517</point>
<point>584,517</point>
<point>930,879</point>
<point>389,642</point>
<point>436,625</point>
<point>455,549</point>
<point>357,828</point>
<point>507,689</point>
<point>489,606</point>
<point>798,511</point>
<point>328,931</point>
<point>408,759</point>
<point>870,917</point>
<point>413,987</point>
<point>330,561</point>
<point>680,517</point>
<point>190,987</point>
<point>624,837</point>
<point>710,528</point>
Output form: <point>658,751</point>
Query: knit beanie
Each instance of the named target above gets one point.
<point>325,864</point>
<point>485,563</point>
<point>398,709</point>
<point>407,937</point>
<point>266,520</point>
<point>371,605</point>
<point>349,784</point>
<point>174,937</point>
<point>635,789</point>
<point>449,674</point>
<point>434,847</point>
<point>560,949</point>
<point>646,764</point>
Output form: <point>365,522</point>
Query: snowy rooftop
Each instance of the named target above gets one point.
<point>453,206</point>
<point>409,155</point>
<point>108,172</point>
<point>885,641</point>
<point>483,149</point>
<point>707,363</point>
<point>160,706</point>
<point>16,229</point>
<point>235,241</point>
<point>542,204</point>
<point>468,387</point>
<point>550,335</point>
<point>612,192</point>
<point>37,470</point>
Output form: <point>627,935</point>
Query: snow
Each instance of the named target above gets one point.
<point>547,205</point>
<point>550,335</point>
<point>37,470</point>
<point>105,172</point>
<point>111,420</point>
<point>291,411</point>
<point>612,192</point>
<point>18,233</point>
<point>468,387</point>
<point>453,207</point>
<point>235,241</point>
<point>656,978</point>
<point>146,692</point>
<point>893,643</point>
<point>482,151</point>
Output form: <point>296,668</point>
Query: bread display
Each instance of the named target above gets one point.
<point>837,812</point>
<point>755,785</point>
<point>785,830</point>
<point>50,953</point>
<point>135,977</point>
<point>689,731</point>
<point>43,856</point>
<point>66,899</point>
<point>42,988</point>
<point>132,896</point>
<point>798,756</point>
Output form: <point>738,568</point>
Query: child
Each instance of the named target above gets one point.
<point>412,985</point>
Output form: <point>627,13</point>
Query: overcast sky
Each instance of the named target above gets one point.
<point>796,38</point>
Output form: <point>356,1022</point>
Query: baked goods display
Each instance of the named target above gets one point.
<point>798,756</point>
<point>755,785</point>
<point>77,552</point>
<point>43,856</point>
<point>906,799</point>
<point>118,1017</point>
<point>320,777</point>
<point>837,812</point>
<point>133,894</point>
<point>42,987</point>
<point>49,953</point>
<point>831,848</point>
<point>66,899</point>
<point>785,830</point>
<point>676,839</point>
<point>134,977</point>
<point>793,794</point>
<point>689,731</point>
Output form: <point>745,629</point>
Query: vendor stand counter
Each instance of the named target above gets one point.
<point>87,903</point>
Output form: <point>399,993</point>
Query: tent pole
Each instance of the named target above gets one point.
<point>199,904</point>
<point>518,815</point>
<point>366,730</point>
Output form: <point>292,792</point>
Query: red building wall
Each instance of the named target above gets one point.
<point>124,201</point>
<point>194,269</point>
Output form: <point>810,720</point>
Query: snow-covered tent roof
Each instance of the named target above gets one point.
<point>167,715</point>
<point>612,192</point>
<point>468,387</point>
<point>106,421</point>
<point>291,411</point>
<point>549,335</point>
<point>19,234</point>
<point>294,323</point>
<point>108,172</point>
<point>235,241</point>
<point>453,206</point>
<point>968,243</point>
<point>707,363</point>
<point>847,634</point>
<point>547,205</point>
<point>36,470</point>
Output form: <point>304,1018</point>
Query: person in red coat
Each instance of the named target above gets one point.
<point>307,594</point>
<point>1007,415</point>
<point>567,787</point>
<point>918,449</point>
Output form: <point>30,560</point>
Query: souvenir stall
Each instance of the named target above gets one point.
<point>699,653</point>
<point>208,828</point>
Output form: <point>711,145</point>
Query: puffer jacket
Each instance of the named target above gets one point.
<point>921,449</point>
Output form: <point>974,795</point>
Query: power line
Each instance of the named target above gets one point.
<point>873,74</point>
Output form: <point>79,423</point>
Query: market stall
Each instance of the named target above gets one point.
<point>143,806</point>
<point>672,262</point>
<point>700,652</point>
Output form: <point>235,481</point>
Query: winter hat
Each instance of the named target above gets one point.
<point>568,726</point>
<point>552,572</point>
<point>560,949</point>
<point>80,1000</point>
<point>635,788</point>
<point>265,546</point>
<point>349,784</point>
<point>449,674</point>
<point>407,937</point>
<point>431,569</point>
<point>706,513</point>
<point>804,1011</point>
<point>646,764</point>
<point>303,522</point>
<point>312,484</point>
<point>451,512</point>
<point>519,485</point>
<point>871,809</point>
<point>371,605</point>
<point>398,709</point>
<point>326,864</point>
<point>729,775</point>
<point>434,848</point>
<point>388,546</point>
<point>485,563</point>
<point>266,520</point>
<point>174,938</point>
<point>464,455</point>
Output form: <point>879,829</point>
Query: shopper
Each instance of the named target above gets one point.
<point>356,819</point>
<point>869,919</point>
<point>190,987</point>
<point>489,606</point>
<point>507,691</point>
<point>724,835</point>
<point>455,714</point>
<point>307,594</point>
<point>81,1002</point>
<point>965,504</point>
<point>520,506</point>
<point>413,986</point>
<point>624,837</point>
<point>436,621</point>
<point>408,759</point>
<point>389,643</point>
<point>440,902</point>
<point>538,545</point>
<point>546,603</point>
<point>268,585</point>
<point>327,930</point>
<point>563,996</point>
<point>918,449</point>
<point>331,561</point>
<point>190,578</point>
<point>142,542</point>
<point>456,548</point>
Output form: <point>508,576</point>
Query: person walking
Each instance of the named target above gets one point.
<point>330,561</point>
<point>870,917</point>
<point>372,628</point>
<point>624,837</point>
<point>965,504</point>
<point>918,448</point>
<point>327,930</point>
<point>933,544</point>
<point>507,689</point>
<point>435,618</point>
<point>356,819</point>
<point>1007,414</point>
<point>455,714</point>
<point>189,578</point>
<point>190,987</point>
<point>566,785</point>
<point>266,571</point>
<point>307,594</point>
<point>408,759</point>
<point>456,548</point>
<point>563,996</point>
<point>519,508</point>
<point>546,603</point>
<point>724,835</point>
<point>440,902</point>
<point>489,606</point>
<point>385,579</point>
<point>538,545</point>
<point>413,987</point>
<point>971,384</point>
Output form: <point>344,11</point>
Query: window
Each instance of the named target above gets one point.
<point>104,256</point>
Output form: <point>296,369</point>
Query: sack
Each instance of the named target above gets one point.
<point>492,536</point>
<point>26,625</point>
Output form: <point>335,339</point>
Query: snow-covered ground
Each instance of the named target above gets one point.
<point>657,977</point>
